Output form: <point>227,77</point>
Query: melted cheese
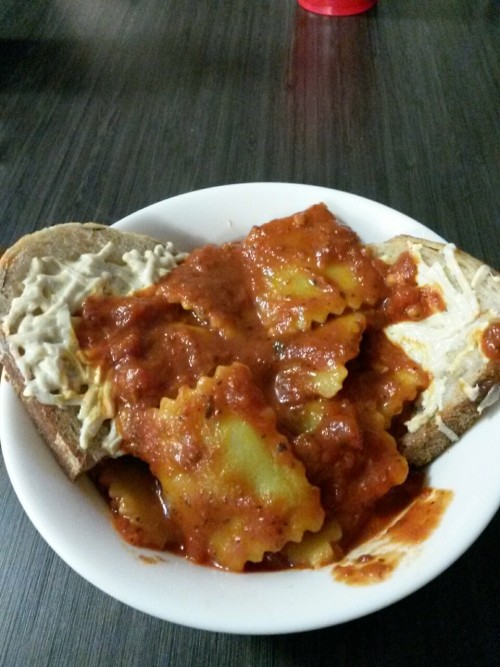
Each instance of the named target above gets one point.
<point>490,399</point>
<point>444,343</point>
<point>445,429</point>
<point>39,329</point>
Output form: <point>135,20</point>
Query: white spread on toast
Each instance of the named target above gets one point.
<point>445,429</point>
<point>483,273</point>
<point>491,397</point>
<point>472,392</point>
<point>42,340</point>
<point>446,344</point>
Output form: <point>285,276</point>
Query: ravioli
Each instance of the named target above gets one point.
<point>313,363</point>
<point>256,382</point>
<point>308,267</point>
<point>233,486</point>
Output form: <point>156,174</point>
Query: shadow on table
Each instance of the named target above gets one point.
<point>32,64</point>
<point>152,55</point>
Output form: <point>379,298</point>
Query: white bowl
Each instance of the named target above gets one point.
<point>75,522</point>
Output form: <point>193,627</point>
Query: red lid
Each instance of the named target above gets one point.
<point>337,7</point>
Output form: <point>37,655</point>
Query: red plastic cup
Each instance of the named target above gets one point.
<point>337,7</point>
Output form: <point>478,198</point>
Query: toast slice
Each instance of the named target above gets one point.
<point>464,379</point>
<point>38,258</point>
<point>447,345</point>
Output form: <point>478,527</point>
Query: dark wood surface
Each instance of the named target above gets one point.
<point>109,105</point>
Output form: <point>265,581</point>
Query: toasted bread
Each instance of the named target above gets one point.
<point>447,345</point>
<point>471,381</point>
<point>59,426</point>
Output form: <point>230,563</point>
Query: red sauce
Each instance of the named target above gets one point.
<point>139,513</point>
<point>367,569</point>
<point>422,517</point>
<point>281,303</point>
<point>406,300</point>
<point>405,517</point>
<point>387,509</point>
<point>491,341</point>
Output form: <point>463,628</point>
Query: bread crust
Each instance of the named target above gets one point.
<point>426,444</point>
<point>59,427</point>
<point>459,413</point>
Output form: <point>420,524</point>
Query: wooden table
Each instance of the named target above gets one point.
<point>107,107</point>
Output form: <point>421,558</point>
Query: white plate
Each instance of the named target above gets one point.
<point>73,519</point>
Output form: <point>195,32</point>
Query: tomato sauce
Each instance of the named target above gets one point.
<point>367,568</point>
<point>406,300</point>
<point>421,518</point>
<point>491,341</point>
<point>300,303</point>
<point>406,517</point>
